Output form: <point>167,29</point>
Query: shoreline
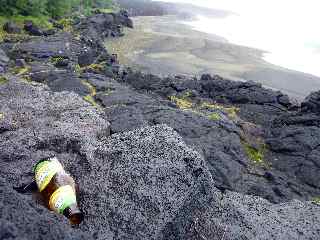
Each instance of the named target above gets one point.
<point>165,46</point>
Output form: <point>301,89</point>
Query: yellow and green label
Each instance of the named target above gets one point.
<point>45,171</point>
<point>62,198</point>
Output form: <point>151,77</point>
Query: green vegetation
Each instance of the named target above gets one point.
<point>95,67</point>
<point>231,111</point>
<point>182,103</point>
<point>93,92</point>
<point>316,200</point>
<point>40,11</point>
<point>90,99</point>
<point>42,21</point>
<point>77,69</point>
<point>257,156</point>
<point>20,70</point>
<point>107,10</point>
<point>56,59</point>
<point>66,23</point>
<point>3,80</point>
<point>214,116</point>
<point>51,8</point>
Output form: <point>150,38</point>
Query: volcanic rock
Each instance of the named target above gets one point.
<point>11,27</point>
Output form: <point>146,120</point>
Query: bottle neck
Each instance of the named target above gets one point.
<point>74,214</point>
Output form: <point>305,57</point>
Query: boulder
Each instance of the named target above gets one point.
<point>227,160</point>
<point>4,60</point>
<point>32,29</point>
<point>37,120</point>
<point>11,27</point>
<point>142,184</point>
<point>102,25</point>
<point>238,92</point>
<point>49,32</point>
<point>34,123</point>
<point>123,18</point>
<point>58,79</point>
<point>87,57</point>
<point>294,141</point>
<point>40,49</point>
<point>21,63</point>
<point>312,103</point>
<point>207,215</point>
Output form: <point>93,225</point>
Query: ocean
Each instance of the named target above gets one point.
<point>287,30</point>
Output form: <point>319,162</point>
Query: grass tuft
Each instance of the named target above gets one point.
<point>19,71</point>
<point>41,21</point>
<point>3,80</point>
<point>106,10</point>
<point>316,200</point>
<point>67,24</point>
<point>93,92</point>
<point>182,103</point>
<point>231,111</point>
<point>90,99</point>
<point>214,117</point>
<point>56,59</point>
<point>95,67</point>
<point>257,156</point>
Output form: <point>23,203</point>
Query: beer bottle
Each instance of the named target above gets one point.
<point>57,189</point>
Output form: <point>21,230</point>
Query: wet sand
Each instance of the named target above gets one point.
<point>164,46</point>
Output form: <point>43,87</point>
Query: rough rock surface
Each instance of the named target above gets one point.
<point>21,217</point>
<point>60,45</point>
<point>312,103</point>
<point>58,79</point>
<point>144,184</point>
<point>177,165</point>
<point>32,29</point>
<point>228,162</point>
<point>35,122</point>
<point>4,60</point>
<point>11,27</point>
<point>295,143</point>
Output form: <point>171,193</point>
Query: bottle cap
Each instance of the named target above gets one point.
<point>74,214</point>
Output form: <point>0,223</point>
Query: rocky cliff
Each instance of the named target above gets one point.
<point>155,158</point>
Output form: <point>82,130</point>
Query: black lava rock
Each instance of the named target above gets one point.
<point>312,103</point>
<point>11,27</point>
<point>32,29</point>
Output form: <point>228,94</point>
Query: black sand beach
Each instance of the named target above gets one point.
<point>165,46</point>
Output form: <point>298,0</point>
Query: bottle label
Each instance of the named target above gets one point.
<point>45,171</point>
<point>62,198</point>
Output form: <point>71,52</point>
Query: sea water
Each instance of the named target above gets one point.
<point>287,30</point>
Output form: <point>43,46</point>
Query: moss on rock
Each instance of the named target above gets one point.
<point>214,116</point>
<point>256,155</point>
<point>231,111</point>
<point>93,92</point>
<point>182,103</point>
<point>316,200</point>
<point>3,80</point>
